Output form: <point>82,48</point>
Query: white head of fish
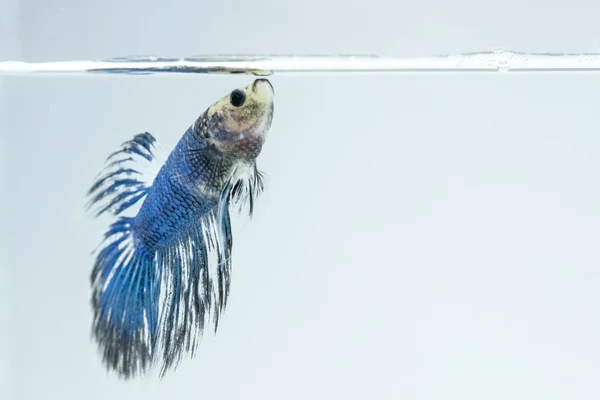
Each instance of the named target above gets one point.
<point>238,122</point>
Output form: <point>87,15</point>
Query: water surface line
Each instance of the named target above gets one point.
<point>486,61</point>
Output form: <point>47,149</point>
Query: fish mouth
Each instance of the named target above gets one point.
<point>262,81</point>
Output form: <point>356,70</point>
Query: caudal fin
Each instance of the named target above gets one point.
<point>125,297</point>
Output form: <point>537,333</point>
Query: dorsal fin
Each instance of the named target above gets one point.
<point>121,183</point>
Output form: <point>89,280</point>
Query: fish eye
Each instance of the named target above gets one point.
<point>237,98</point>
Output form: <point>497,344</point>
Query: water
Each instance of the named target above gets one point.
<point>421,235</point>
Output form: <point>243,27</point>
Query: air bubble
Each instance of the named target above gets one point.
<point>503,66</point>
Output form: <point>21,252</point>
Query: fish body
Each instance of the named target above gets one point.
<point>152,285</point>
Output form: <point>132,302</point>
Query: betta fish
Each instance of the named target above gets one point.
<point>160,275</point>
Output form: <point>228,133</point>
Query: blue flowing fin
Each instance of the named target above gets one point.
<point>195,292</point>
<point>189,299</point>
<point>125,301</point>
<point>119,185</point>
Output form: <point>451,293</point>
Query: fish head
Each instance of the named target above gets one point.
<point>237,124</point>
